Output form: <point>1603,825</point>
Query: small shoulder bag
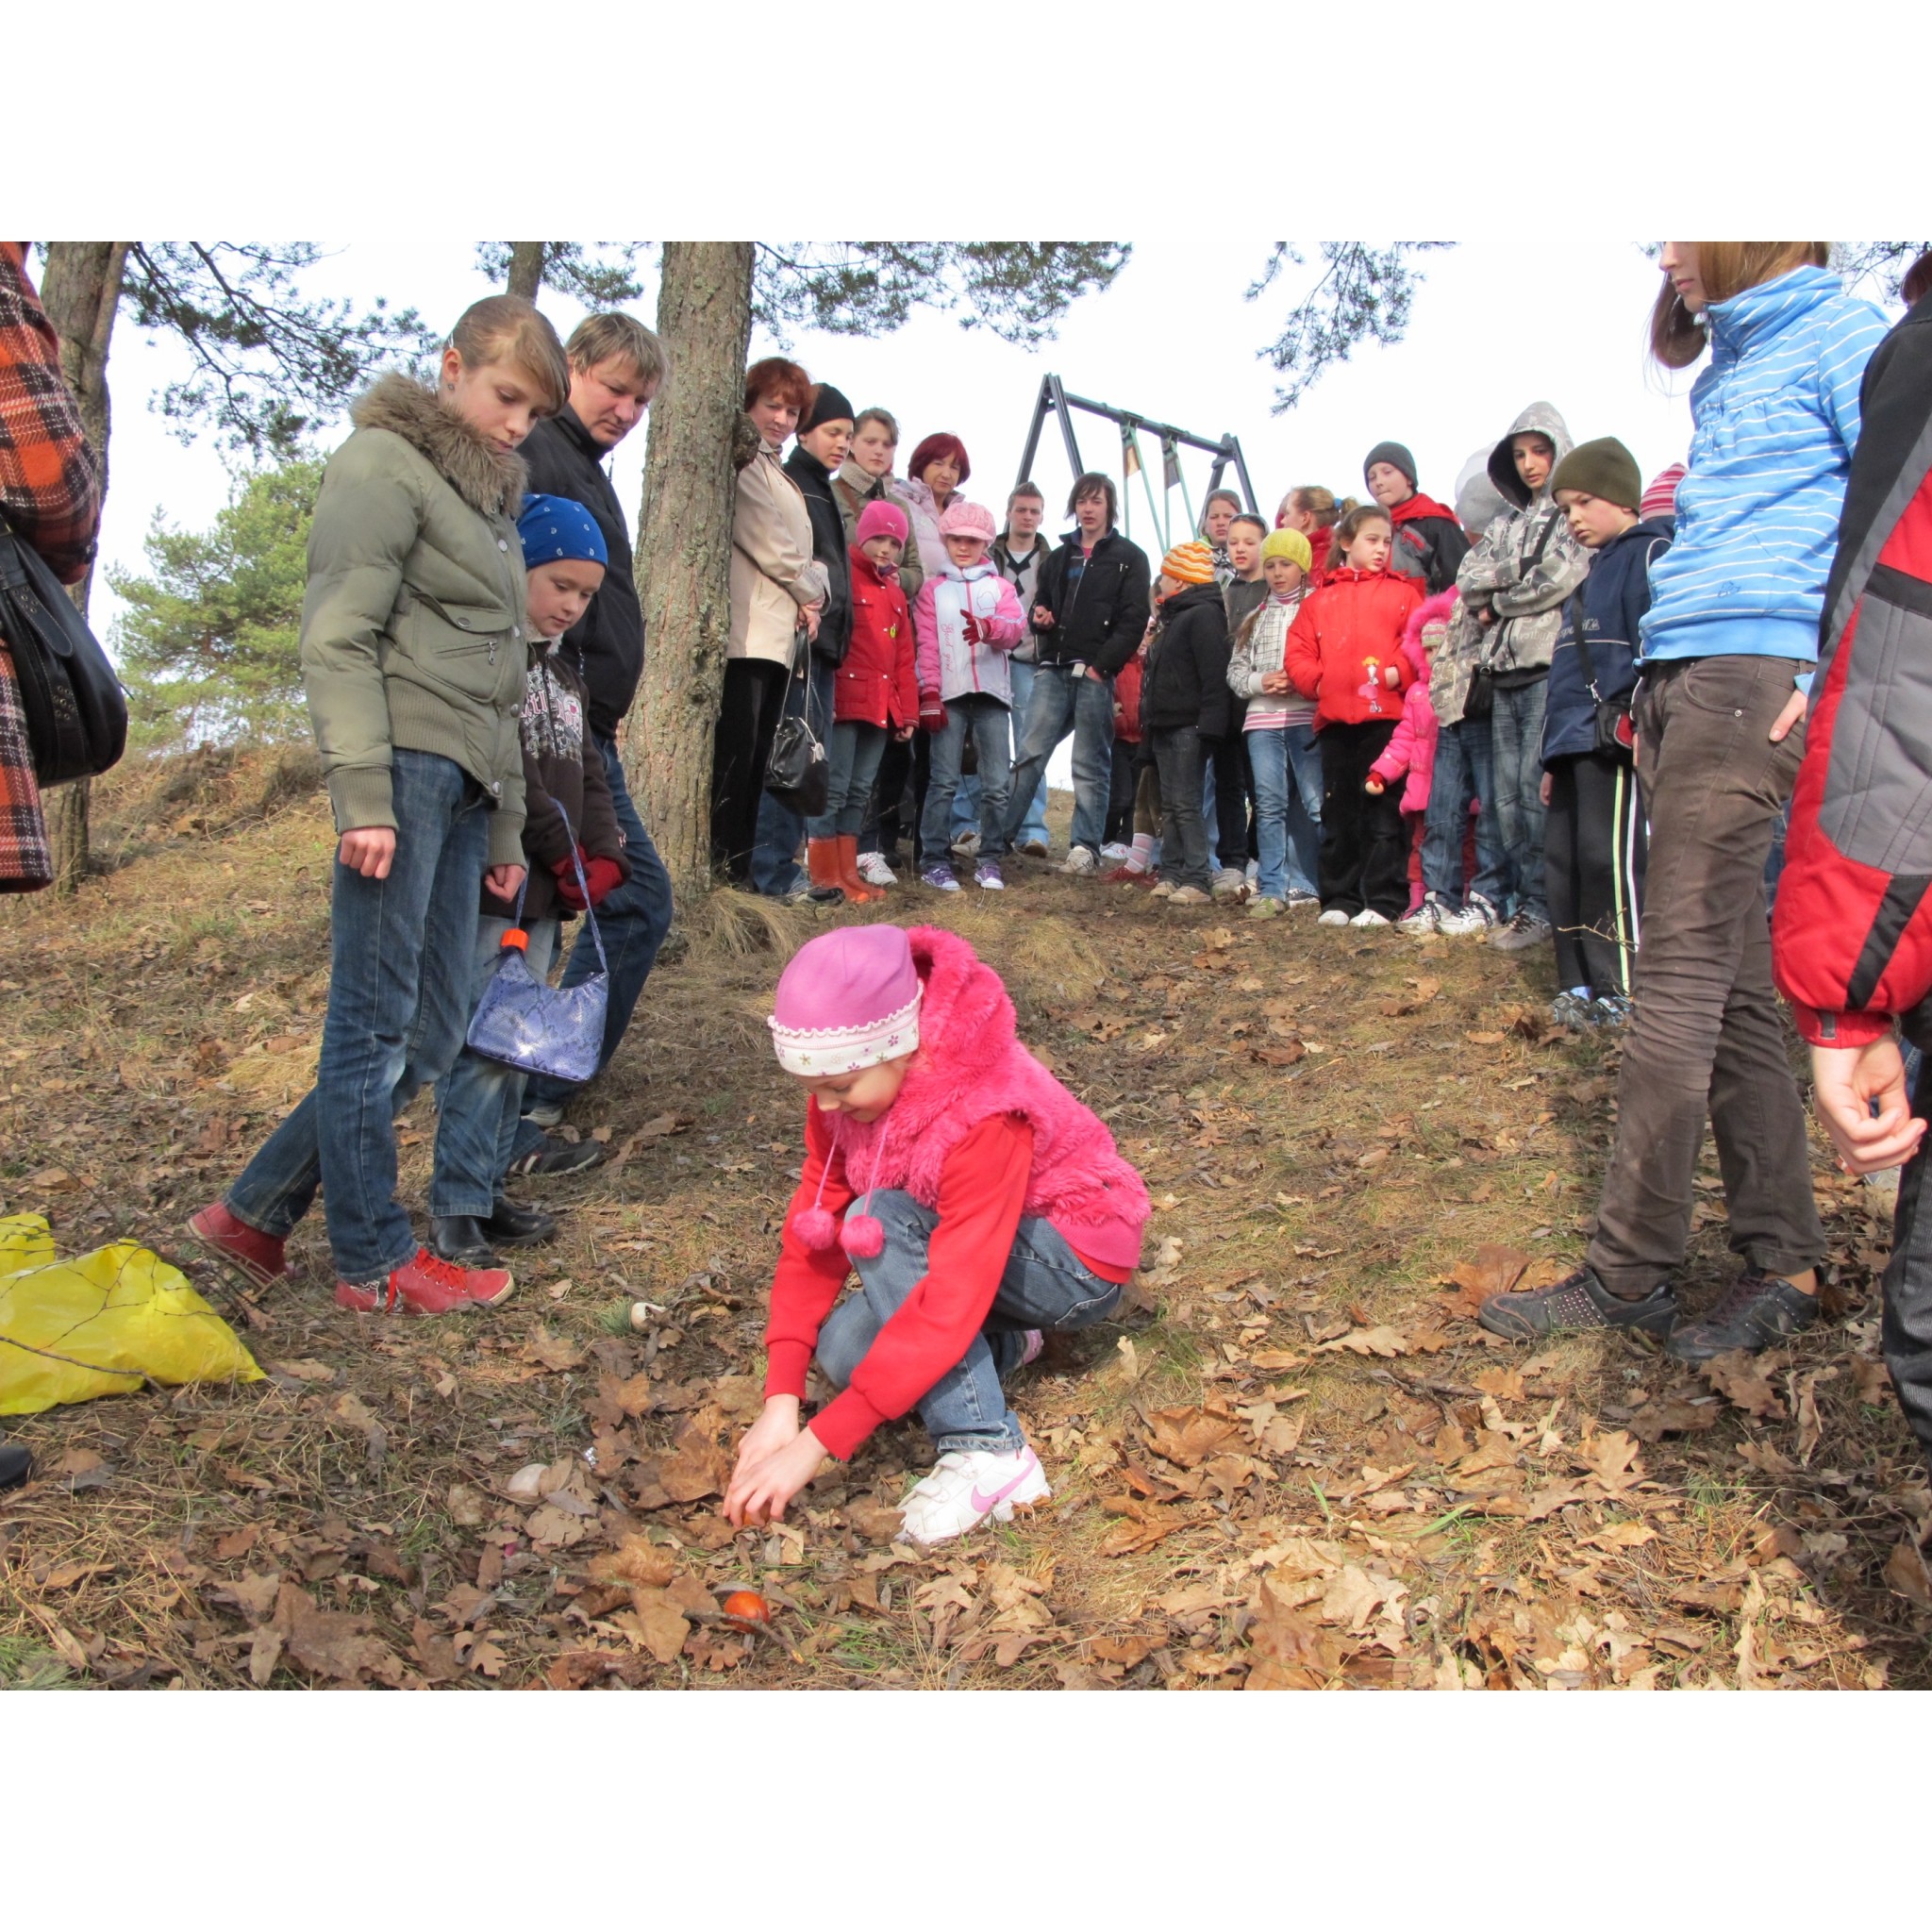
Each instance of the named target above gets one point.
<point>795,773</point>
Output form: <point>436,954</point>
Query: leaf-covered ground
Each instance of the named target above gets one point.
<point>1297,1462</point>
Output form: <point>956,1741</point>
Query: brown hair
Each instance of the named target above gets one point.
<point>1677,337</point>
<point>1027,489</point>
<point>1351,525</point>
<point>1917,284</point>
<point>884,418</point>
<point>1319,503</point>
<point>507,329</point>
<point>1248,516</point>
<point>775,377</point>
<point>619,337</point>
<point>1096,483</point>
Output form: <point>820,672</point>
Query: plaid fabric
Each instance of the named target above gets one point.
<point>26,864</point>
<point>50,475</point>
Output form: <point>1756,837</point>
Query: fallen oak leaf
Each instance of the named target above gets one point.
<point>1379,1340</point>
<point>1739,1377</point>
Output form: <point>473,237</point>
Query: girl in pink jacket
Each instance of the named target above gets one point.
<point>1412,749</point>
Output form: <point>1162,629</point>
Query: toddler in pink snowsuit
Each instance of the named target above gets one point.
<point>1412,749</point>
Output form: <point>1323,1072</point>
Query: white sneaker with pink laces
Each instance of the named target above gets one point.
<point>968,1487</point>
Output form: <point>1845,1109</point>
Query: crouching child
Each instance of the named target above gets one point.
<point>982,1206</point>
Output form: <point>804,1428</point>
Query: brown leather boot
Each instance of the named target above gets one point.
<point>822,864</point>
<point>850,883</point>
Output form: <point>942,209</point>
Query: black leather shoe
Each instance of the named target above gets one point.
<point>550,1157</point>
<point>16,1464</point>
<point>1579,1300</point>
<point>513,1226</point>
<point>1759,1309</point>
<point>462,1239</point>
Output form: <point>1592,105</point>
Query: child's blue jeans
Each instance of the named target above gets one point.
<point>1287,764</point>
<point>1464,770</point>
<point>479,1102</point>
<point>989,722</point>
<point>853,752</point>
<point>1045,1286</point>
<point>400,950</point>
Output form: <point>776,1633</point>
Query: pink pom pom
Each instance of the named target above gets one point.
<point>817,1228</point>
<point>864,1237</point>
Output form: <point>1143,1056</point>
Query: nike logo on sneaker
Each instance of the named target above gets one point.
<point>985,1504</point>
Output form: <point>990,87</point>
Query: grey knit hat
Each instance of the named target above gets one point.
<point>1396,453</point>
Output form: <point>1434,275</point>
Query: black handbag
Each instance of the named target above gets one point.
<point>77,712</point>
<point>795,773</point>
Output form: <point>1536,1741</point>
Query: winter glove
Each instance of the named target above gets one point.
<point>601,875</point>
<point>932,714</point>
<point>974,631</point>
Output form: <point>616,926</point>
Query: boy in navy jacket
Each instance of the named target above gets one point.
<point>1594,832</point>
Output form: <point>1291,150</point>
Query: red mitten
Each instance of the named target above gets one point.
<point>567,889</point>
<point>974,631</point>
<point>932,714</point>
<point>603,878</point>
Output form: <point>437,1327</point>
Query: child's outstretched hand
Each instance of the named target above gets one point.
<point>1374,786</point>
<point>774,1461</point>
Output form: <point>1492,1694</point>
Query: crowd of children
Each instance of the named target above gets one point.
<point>1397,713</point>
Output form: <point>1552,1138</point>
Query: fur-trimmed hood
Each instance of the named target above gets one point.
<point>491,481</point>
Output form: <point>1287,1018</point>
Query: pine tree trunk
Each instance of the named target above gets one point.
<point>81,293</point>
<point>526,268</point>
<point>684,547</point>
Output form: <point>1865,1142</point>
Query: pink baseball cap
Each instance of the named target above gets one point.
<point>962,519</point>
<point>847,1001</point>
<point>881,519</point>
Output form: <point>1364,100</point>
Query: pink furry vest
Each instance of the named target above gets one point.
<point>971,1066</point>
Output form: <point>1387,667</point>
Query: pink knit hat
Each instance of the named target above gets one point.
<point>1661,496</point>
<point>962,519</point>
<point>881,519</point>
<point>847,1001</point>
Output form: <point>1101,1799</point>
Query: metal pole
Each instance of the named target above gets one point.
<point>1042,403</point>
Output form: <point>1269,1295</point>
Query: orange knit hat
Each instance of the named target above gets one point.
<point>1189,563</point>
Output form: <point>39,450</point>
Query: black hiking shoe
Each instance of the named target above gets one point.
<point>510,1225</point>
<point>1760,1310</point>
<point>1579,1300</point>
<point>559,1157</point>
<point>461,1239</point>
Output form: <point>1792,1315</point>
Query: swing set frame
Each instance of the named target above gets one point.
<point>1054,400</point>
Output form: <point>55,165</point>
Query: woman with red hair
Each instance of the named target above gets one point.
<point>938,468</point>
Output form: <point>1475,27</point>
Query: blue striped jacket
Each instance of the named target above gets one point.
<point>1776,416</point>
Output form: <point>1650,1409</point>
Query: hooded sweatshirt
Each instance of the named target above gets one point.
<point>1262,646</point>
<point>984,1134</point>
<point>1776,416</point>
<point>1344,637</point>
<point>950,662</point>
<point>1528,562</point>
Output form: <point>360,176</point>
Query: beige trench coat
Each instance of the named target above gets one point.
<point>773,573</point>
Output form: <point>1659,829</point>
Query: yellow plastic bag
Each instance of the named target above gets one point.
<point>102,1324</point>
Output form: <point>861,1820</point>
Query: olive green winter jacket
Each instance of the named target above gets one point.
<point>413,626</point>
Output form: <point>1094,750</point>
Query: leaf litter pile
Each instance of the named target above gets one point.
<point>1295,1462</point>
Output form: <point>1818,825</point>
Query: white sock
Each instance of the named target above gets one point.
<point>1143,854</point>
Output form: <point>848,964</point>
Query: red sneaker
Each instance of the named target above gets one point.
<point>427,1286</point>
<point>258,1258</point>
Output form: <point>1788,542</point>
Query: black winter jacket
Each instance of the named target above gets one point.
<point>1103,621</point>
<point>606,643</point>
<point>829,546</point>
<point>1610,603</point>
<point>1185,680</point>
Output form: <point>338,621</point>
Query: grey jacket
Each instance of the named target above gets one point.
<point>1526,564</point>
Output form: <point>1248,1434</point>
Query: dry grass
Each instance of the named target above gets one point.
<point>353,1517</point>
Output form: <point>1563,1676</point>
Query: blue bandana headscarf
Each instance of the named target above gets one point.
<point>554,528</point>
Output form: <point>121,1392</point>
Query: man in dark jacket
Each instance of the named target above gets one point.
<point>1852,936</point>
<point>616,366</point>
<point>1089,616</point>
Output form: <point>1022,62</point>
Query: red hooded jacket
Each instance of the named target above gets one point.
<point>1430,541</point>
<point>875,683</point>
<point>1344,636</point>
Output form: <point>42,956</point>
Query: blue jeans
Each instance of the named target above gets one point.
<point>852,762</point>
<point>400,954</point>
<point>633,921</point>
<point>1044,1286</point>
<point>1177,758</point>
<point>1287,764</point>
<point>966,799</point>
<point>1063,702</point>
<point>478,1102</point>
<point>990,723</point>
<point>774,857</point>
<point>1463,771</point>
<point>1516,739</point>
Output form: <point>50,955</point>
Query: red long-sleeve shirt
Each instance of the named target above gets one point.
<point>982,1193</point>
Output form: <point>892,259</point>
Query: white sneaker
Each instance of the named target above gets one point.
<point>966,846</point>
<point>545,1114</point>
<point>968,1487</point>
<point>1080,862</point>
<point>1426,919</point>
<point>1368,916</point>
<point>1479,909</point>
<point>1164,889</point>
<point>1457,924</point>
<point>1335,917</point>
<point>1115,853</point>
<point>874,870</point>
<point>1230,884</point>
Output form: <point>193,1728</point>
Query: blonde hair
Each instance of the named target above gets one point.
<point>621,338</point>
<point>1317,503</point>
<point>1677,337</point>
<point>507,329</point>
<point>884,418</point>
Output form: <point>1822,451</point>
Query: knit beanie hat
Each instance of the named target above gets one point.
<point>847,1001</point>
<point>1602,468</point>
<point>557,529</point>
<point>881,519</point>
<point>1189,563</point>
<point>828,405</point>
<point>1661,496</point>
<point>962,519</point>
<point>1291,544</point>
<point>1396,453</point>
